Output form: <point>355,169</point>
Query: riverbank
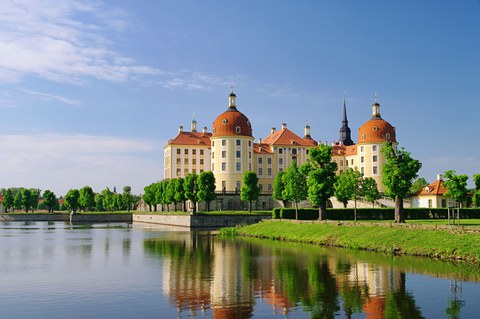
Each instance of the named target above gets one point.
<point>428,242</point>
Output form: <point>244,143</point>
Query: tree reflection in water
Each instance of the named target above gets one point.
<point>227,279</point>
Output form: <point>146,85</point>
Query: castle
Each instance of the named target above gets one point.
<point>230,149</point>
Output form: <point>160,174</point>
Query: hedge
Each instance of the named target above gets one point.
<point>372,213</point>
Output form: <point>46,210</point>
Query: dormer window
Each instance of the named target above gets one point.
<point>387,136</point>
<point>224,121</point>
<point>238,130</point>
<point>375,128</point>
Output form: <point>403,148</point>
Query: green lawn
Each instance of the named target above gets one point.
<point>391,240</point>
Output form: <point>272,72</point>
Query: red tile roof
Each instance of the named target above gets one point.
<point>285,137</point>
<point>261,148</point>
<point>191,138</point>
<point>435,188</point>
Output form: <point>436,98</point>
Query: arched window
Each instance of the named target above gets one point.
<point>294,159</point>
<point>375,128</point>
<point>387,136</point>
<point>224,121</point>
<point>238,129</point>
<point>294,151</point>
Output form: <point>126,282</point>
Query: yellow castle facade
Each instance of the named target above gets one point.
<point>230,150</point>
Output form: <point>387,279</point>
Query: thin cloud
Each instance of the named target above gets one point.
<point>53,97</point>
<point>46,39</point>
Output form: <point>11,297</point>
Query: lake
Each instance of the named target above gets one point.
<point>58,270</point>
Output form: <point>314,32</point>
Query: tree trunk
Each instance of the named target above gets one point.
<point>296,210</point>
<point>322,211</point>
<point>194,210</point>
<point>345,204</point>
<point>184,205</point>
<point>355,210</point>
<point>250,206</point>
<point>399,215</point>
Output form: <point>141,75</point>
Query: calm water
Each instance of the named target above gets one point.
<point>55,270</point>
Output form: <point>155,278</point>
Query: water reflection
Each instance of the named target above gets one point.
<point>228,279</point>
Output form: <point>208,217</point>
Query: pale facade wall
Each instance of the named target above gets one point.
<point>433,201</point>
<point>181,160</point>
<point>231,157</point>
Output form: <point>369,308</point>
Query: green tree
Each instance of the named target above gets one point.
<point>8,199</point>
<point>149,195</point>
<point>206,188</point>
<point>398,173</point>
<point>250,189</point>
<point>418,185</point>
<point>34,198</point>
<point>117,202</point>
<point>191,190</point>
<point>180,193</point>
<point>295,185</point>
<point>476,193</point>
<point>127,196</point>
<point>456,186</point>
<point>99,202</point>
<point>170,193</point>
<point>50,200</point>
<point>108,202</point>
<point>370,190</point>
<point>278,187</point>
<point>71,199</point>
<point>26,199</point>
<point>86,201</point>
<point>321,177</point>
<point>344,188</point>
<point>17,200</point>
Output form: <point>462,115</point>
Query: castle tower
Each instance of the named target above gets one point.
<point>345,132</point>
<point>232,147</point>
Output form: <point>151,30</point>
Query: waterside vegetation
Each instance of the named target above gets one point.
<point>388,238</point>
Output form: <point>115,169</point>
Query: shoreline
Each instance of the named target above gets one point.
<point>454,243</point>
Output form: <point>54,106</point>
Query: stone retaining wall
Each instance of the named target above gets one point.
<point>200,221</point>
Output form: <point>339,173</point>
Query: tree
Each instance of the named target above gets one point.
<point>321,177</point>
<point>476,194</point>
<point>398,173</point>
<point>50,200</point>
<point>26,199</point>
<point>17,200</point>
<point>127,196</point>
<point>71,199</point>
<point>278,187</point>
<point>418,185</point>
<point>86,201</point>
<point>206,187</point>
<point>295,185</point>
<point>456,186</point>
<point>117,202</point>
<point>180,193</point>
<point>250,189</point>
<point>149,195</point>
<point>99,202</point>
<point>34,198</point>
<point>8,199</point>
<point>191,190</point>
<point>344,188</point>
<point>170,193</point>
<point>370,190</point>
<point>108,203</point>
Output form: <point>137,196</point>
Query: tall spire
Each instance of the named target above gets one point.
<point>345,132</point>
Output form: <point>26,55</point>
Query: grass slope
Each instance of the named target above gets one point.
<point>391,240</point>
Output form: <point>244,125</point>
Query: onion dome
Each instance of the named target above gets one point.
<point>376,130</point>
<point>232,122</point>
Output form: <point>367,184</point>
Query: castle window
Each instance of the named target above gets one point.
<point>238,153</point>
<point>387,136</point>
<point>374,158</point>
<point>194,161</point>
<point>213,130</point>
<point>362,170</point>
<point>178,171</point>
<point>363,137</point>
<point>224,121</point>
<point>224,142</point>
<point>375,170</point>
<point>362,159</point>
<point>201,161</point>
<point>178,161</point>
<point>213,155</point>
<point>179,151</point>
<point>280,151</point>
<point>361,149</point>
<point>260,171</point>
<point>224,166</point>
<point>294,151</point>
<point>375,128</point>
<point>249,143</point>
<point>280,161</point>
<point>213,167</point>
<point>260,160</point>
<point>269,171</point>
<point>238,166</point>
<point>238,141</point>
<point>238,130</point>
<point>294,159</point>
<point>186,161</point>
<point>224,154</point>
<point>237,184</point>
<point>201,152</point>
<point>269,160</point>
<point>186,151</point>
<point>374,148</point>
<point>269,187</point>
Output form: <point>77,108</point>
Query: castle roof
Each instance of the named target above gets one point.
<point>435,188</point>
<point>285,137</point>
<point>376,130</point>
<point>191,138</point>
<point>232,122</point>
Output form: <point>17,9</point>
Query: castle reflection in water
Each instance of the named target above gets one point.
<point>203,275</point>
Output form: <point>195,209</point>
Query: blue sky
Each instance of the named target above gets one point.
<point>91,91</point>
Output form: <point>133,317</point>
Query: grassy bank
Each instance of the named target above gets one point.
<point>391,240</point>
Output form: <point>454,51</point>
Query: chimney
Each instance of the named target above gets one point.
<point>284,126</point>
<point>273,130</point>
<point>204,131</point>
<point>439,177</point>
<point>180,129</point>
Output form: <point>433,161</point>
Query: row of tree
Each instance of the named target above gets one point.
<point>175,191</point>
<point>86,200</point>
<point>20,198</point>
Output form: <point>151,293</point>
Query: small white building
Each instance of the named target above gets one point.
<point>431,196</point>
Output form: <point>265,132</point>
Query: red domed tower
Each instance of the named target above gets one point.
<point>232,147</point>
